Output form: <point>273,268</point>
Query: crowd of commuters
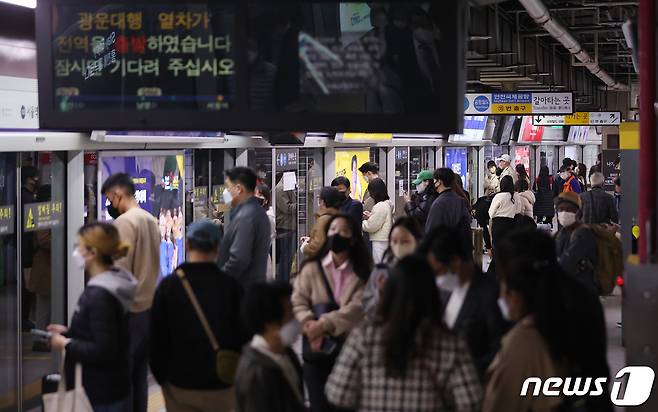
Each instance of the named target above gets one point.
<point>406,321</point>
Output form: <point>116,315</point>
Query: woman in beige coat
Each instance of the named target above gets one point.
<point>341,268</point>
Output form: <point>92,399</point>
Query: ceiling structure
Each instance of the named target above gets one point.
<point>508,50</point>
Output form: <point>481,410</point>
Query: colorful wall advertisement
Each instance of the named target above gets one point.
<point>347,164</point>
<point>457,160</point>
<point>522,156</point>
<point>530,133</point>
<point>159,189</point>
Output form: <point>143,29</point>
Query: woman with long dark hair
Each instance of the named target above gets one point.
<point>582,177</point>
<point>406,360</point>
<point>378,222</point>
<point>403,240</point>
<point>505,206</point>
<point>327,301</point>
<point>522,172</point>
<point>559,330</point>
<point>543,188</point>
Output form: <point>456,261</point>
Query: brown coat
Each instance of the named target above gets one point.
<point>309,290</point>
<point>318,233</point>
<point>524,353</point>
<point>39,281</point>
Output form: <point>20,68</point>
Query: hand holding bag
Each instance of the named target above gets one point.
<point>75,400</point>
<point>226,361</point>
<point>330,345</point>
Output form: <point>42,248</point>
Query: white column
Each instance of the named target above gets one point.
<point>75,218</point>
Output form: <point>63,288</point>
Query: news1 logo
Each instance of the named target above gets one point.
<point>638,379</point>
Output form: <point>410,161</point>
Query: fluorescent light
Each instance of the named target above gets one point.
<point>25,3</point>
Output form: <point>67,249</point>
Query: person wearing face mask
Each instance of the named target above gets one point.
<point>418,206</point>
<point>370,172</point>
<point>182,356</point>
<point>327,301</point>
<point>491,182</point>
<point>449,209</point>
<point>330,200</point>
<point>576,243</point>
<point>245,246</point>
<point>269,376</point>
<point>98,337</point>
<point>550,308</point>
<point>505,163</point>
<point>406,360</point>
<point>569,181</point>
<point>403,239</point>
<point>139,229</point>
<point>469,298</point>
<point>351,207</point>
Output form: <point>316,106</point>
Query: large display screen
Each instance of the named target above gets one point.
<point>257,65</point>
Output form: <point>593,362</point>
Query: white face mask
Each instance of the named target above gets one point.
<point>448,282</point>
<point>564,175</point>
<point>403,250</point>
<point>78,259</point>
<point>421,188</point>
<point>290,332</point>
<point>504,309</point>
<point>227,197</point>
<point>566,219</point>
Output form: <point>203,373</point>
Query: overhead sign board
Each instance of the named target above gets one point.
<point>579,119</point>
<point>519,103</point>
<point>256,65</point>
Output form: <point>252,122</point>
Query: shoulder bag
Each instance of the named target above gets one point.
<point>330,345</point>
<point>75,400</point>
<point>226,361</point>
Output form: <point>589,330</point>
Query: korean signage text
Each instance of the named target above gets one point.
<point>43,215</point>
<point>580,119</point>
<point>518,103</point>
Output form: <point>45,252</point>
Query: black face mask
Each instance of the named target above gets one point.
<point>339,243</point>
<point>113,211</point>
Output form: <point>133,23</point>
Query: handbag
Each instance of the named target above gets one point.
<point>226,361</point>
<point>75,400</point>
<point>330,345</point>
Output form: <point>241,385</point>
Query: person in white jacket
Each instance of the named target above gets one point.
<point>523,188</point>
<point>378,223</point>
<point>505,206</point>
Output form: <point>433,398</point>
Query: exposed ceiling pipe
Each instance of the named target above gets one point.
<point>542,16</point>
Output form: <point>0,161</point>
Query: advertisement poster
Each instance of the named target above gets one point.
<point>457,160</point>
<point>611,167</point>
<point>474,127</point>
<point>347,164</point>
<point>530,133</point>
<point>159,189</point>
<point>522,156</point>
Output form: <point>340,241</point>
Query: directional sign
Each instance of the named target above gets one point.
<point>580,119</point>
<point>520,103</point>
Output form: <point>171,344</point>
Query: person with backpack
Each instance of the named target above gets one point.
<point>575,242</point>
<point>598,206</point>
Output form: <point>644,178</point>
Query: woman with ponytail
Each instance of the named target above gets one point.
<point>98,337</point>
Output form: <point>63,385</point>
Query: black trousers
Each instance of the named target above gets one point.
<point>500,227</point>
<point>316,375</point>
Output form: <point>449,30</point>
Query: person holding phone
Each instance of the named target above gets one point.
<point>327,301</point>
<point>99,335</point>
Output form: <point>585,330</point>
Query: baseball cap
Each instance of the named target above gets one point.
<point>507,158</point>
<point>568,197</point>
<point>204,232</point>
<point>423,176</point>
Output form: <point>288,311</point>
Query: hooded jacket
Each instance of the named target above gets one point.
<point>100,337</point>
<point>528,208</point>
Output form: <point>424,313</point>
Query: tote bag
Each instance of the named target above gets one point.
<point>75,400</point>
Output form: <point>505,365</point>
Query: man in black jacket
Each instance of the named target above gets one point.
<point>269,374</point>
<point>418,205</point>
<point>352,208</point>
<point>182,356</point>
<point>598,206</point>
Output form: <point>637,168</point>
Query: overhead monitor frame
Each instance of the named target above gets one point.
<point>448,120</point>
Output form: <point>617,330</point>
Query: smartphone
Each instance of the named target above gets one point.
<point>41,333</point>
